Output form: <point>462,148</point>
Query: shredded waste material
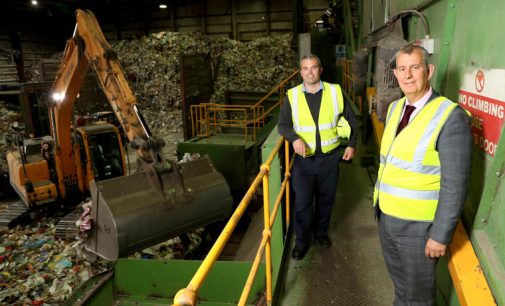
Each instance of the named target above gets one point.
<point>36,268</point>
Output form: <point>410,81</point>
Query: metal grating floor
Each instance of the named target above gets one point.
<point>352,270</point>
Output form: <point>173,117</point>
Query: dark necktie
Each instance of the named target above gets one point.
<point>405,119</point>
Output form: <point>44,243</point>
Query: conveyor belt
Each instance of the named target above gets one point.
<point>9,210</point>
<point>16,209</point>
<point>352,272</point>
<point>66,227</point>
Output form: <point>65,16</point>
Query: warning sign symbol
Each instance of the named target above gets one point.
<point>479,81</point>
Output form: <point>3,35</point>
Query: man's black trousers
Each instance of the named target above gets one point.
<point>314,183</point>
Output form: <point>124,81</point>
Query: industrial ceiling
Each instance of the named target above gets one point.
<point>20,13</point>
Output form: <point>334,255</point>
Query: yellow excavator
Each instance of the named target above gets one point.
<point>160,200</point>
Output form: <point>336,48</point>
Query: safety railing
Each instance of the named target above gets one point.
<point>208,118</point>
<point>189,295</point>
<point>348,84</point>
<point>212,118</point>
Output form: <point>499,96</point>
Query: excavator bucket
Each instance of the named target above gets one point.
<point>134,212</point>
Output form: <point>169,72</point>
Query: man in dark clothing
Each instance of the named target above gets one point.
<point>310,119</point>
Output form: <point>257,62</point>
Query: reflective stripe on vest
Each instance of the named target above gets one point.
<point>303,123</point>
<point>409,174</point>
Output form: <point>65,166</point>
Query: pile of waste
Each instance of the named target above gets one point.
<point>36,268</point>
<point>152,67</point>
<point>152,64</point>
<point>10,119</point>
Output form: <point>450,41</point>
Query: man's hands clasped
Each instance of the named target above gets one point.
<point>301,149</point>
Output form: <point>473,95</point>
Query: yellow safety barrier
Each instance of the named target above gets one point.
<point>348,84</point>
<point>189,295</point>
<point>466,273</point>
<point>211,118</point>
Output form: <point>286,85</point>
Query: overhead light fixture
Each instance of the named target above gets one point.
<point>35,2</point>
<point>163,6</point>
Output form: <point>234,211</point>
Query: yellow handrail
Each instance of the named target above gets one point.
<point>287,175</point>
<point>207,118</point>
<point>348,84</point>
<point>284,190</point>
<point>188,296</point>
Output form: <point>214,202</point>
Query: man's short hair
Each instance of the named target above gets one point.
<point>410,48</point>
<point>310,56</point>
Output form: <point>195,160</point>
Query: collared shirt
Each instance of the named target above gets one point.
<point>320,88</point>
<point>419,104</point>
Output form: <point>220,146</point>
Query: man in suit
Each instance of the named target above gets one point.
<point>425,162</point>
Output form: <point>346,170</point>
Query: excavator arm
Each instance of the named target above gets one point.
<point>162,199</point>
<point>88,48</point>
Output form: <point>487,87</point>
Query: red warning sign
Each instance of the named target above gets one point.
<point>486,102</point>
<point>479,81</point>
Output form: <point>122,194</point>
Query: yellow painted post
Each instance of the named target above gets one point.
<point>378,129</point>
<point>287,175</point>
<point>254,271</point>
<point>467,276</point>
<point>266,219</point>
<point>242,122</point>
<point>207,122</point>
<point>265,237</point>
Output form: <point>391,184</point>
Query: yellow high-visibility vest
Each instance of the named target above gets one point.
<point>408,181</point>
<point>331,123</point>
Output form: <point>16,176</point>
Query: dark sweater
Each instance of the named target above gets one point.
<point>285,126</point>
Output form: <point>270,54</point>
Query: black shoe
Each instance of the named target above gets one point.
<point>299,252</point>
<point>323,242</point>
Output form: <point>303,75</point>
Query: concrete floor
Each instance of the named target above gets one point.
<point>352,271</point>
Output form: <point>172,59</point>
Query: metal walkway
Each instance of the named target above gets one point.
<point>352,270</point>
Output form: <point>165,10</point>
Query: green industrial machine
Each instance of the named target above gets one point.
<point>231,135</point>
<point>155,282</point>
<point>152,282</point>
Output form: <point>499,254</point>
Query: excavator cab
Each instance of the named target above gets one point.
<point>30,171</point>
<point>101,152</point>
<point>105,164</point>
<point>32,168</point>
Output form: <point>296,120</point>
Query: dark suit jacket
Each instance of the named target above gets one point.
<point>454,146</point>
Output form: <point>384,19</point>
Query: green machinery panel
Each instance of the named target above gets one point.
<point>154,282</point>
<point>234,155</point>
<point>235,158</point>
